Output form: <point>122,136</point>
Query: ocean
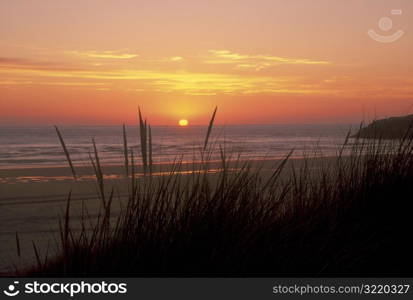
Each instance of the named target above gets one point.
<point>31,202</point>
<point>23,147</point>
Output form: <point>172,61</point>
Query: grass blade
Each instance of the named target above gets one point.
<point>18,245</point>
<point>125,150</point>
<point>150,148</point>
<point>36,253</point>
<point>143,140</point>
<point>211,124</point>
<point>62,142</point>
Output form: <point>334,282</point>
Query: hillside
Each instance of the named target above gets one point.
<point>389,128</point>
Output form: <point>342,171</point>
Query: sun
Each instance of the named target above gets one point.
<point>183,122</point>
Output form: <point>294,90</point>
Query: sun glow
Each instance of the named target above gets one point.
<point>183,122</point>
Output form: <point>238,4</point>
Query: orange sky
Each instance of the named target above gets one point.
<point>95,62</point>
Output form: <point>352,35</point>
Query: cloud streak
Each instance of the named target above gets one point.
<point>165,76</point>
<point>256,62</point>
<point>103,54</point>
<point>9,63</point>
<point>192,83</point>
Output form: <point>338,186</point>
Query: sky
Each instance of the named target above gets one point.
<point>260,62</point>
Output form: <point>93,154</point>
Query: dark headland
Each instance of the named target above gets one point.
<point>389,128</point>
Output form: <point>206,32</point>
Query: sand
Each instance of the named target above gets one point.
<point>33,199</point>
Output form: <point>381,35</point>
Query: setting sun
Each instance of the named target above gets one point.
<point>183,122</point>
<point>298,150</point>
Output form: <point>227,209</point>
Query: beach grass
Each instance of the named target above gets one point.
<point>348,217</point>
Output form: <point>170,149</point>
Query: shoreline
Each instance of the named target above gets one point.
<point>64,170</point>
<point>27,184</point>
<point>32,208</point>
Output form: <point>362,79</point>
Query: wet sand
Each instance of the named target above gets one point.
<point>32,199</point>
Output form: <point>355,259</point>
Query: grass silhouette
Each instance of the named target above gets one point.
<point>351,216</point>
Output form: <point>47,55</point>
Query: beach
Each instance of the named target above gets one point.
<point>33,199</point>
<point>35,178</point>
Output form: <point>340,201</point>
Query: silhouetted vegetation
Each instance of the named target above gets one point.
<point>390,128</point>
<point>350,216</point>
